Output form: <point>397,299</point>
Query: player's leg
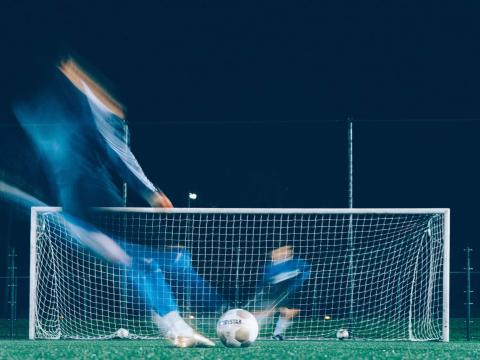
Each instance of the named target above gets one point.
<point>155,291</point>
<point>148,277</point>
<point>271,294</point>
<point>95,240</point>
<point>177,265</point>
<point>262,306</point>
<point>284,321</point>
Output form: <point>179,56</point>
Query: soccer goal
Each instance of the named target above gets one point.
<point>383,274</point>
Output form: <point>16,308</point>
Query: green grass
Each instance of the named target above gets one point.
<point>150,349</point>
<point>70,349</point>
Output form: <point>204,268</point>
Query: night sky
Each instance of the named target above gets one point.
<point>246,103</point>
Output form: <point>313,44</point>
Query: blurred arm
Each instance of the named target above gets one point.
<point>109,117</point>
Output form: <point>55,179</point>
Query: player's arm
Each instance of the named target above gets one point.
<point>159,199</point>
<point>80,78</point>
<point>108,116</point>
<point>125,163</point>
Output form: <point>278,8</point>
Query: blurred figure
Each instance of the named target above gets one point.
<point>78,129</point>
<point>282,276</point>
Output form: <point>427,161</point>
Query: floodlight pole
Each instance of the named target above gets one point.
<point>124,311</point>
<point>351,274</point>
<point>468,293</point>
<point>350,163</point>
<point>126,139</point>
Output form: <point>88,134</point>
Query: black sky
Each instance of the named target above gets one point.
<point>236,61</point>
<point>245,102</point>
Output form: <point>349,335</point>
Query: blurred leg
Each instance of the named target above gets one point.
<point>177,264</point>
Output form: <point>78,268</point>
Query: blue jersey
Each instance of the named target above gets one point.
<point>280,280</point>
<point>81,142</point>
<point>289,273</point>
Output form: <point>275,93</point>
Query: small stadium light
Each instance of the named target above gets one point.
<point>191,196</point>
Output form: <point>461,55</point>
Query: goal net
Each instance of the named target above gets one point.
<point>382,274</point>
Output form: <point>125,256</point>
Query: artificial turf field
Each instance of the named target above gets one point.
<point>158,349</point>
<point>125,349</point>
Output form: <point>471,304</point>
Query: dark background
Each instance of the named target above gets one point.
<point>246,103</point>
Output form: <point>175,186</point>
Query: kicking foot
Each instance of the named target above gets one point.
<point>191,341</point>
<point>278,337</point>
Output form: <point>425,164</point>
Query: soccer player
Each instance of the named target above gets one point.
<point>77,127</point>
<point>282,276</point>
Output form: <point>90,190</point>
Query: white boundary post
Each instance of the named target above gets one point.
<point>446,276</point>
<point>33,273</point>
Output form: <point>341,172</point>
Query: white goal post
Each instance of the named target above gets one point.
<point>383,274</point>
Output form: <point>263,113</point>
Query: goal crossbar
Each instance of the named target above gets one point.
<point>37,209</point>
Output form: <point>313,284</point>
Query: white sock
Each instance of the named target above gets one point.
<point>177,325</point>
<point>162,325</point>
<point>262,319</point>
<point>282,325</point>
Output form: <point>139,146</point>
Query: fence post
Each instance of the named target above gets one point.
<point>12,291</point>
<point>469,292</point>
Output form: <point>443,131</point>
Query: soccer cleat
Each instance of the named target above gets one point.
<point>202,340</point>
<point>278,337</point>
<point>191,341</point>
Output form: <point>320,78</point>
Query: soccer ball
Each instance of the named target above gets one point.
<point>342,334</point>
<point>237,328</point>
<point>122,333</point>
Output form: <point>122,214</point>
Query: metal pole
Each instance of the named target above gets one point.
<point>351,274</point>
<point>350,163</point>
<point>469,292</point>
<point>126,139</point>
<point>123,274</point>
<point>12,289</point>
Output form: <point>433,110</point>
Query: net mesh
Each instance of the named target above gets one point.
<point>378,275</point>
